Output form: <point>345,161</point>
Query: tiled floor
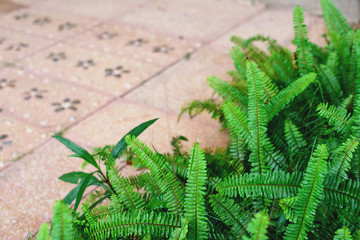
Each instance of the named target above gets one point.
<point>95,70</point>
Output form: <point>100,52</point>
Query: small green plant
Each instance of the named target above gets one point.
<point>291,171</point>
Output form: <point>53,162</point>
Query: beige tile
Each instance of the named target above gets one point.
<point>42,102</point>
<point>136,43</point>
<point>103,128</point>
<point>30,187</point>
<point>108,73</point>
<point>17,138</point>
<point>45,23</point>
<point>185,81</point>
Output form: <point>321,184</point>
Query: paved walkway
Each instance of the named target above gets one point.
<point>92,70</point>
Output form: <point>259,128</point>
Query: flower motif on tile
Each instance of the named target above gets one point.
<point>21,16</point>
<point>67,103</point>
<point>66,26</point>
<point>85,64</point>
<point>7,83</point>
<point>137,42</point>
<point>106,35</point>
<point>17,47</point>
<point>34,93</point>
<point>55,57</point>
<point>116,72</point>
<point>163,49</point>
<point>42,21</point>
<point>4,141</point>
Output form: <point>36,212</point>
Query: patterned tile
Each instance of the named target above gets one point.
<point>14,45</point>
<point>97,70</point>
<point>136,43</point>
<point>45,102</point>
<point>185,81</point>
<point>45,23</point>
<point>17,138</point>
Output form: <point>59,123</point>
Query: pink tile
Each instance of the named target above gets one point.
<point>44,102</point>
<point>97,70</point>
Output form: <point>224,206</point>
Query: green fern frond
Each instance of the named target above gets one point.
<point>124,190</point>
<point>339,118</point>
<point>231,214</point>
<point>293,136</point>
<point>43,233</point>
<point>305,59</point>
<point>227,91</point>
<point>355,119</point>
<point>275,185</point>
<point>239,62</point>
<point>309,196</point>
<point>196,107</point>
<point>270,89</point>
<point>258,227</point>
<point>287,94</point>
<point>237,145</point>
<point>62,224</point>
<point>334,19</point>
<point>133,223</point>
<point>180,233</point>
<point>346,102</point>
<point>330,82</point>
<point>287,205</point>
<point>343,234</point>
<point>89,216</point>
<point>168,182</point>
<point>256,117</point>
<point>340,163</point>
<point>195,211</point>
<point>346,194</point>
<point>237,120</point>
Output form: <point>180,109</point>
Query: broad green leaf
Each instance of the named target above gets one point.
<point>82,186</point>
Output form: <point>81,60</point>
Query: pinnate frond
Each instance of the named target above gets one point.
<point>343,234</point>
<point>258,227</point>
<point>339,118</point>
<point>62,224</point>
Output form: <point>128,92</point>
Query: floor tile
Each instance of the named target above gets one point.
<point>30,187</point>
<point>45,23</point>
<point>44,102</point>
<point>17,138</point>
<point>185,81</point>
<point>97,70</point>
<point>136,43</point>
<point>103,128</point>
<point>14,45</point>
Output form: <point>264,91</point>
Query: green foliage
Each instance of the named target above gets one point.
<point>290,171</point>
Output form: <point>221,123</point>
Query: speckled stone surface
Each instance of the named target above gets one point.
<point>92,70</point>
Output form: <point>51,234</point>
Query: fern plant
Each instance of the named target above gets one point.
<point>291,170</point>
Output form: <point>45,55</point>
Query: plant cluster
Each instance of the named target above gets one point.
<point>291,171</point>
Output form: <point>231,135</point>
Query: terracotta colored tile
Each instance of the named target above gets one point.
<point>105,72</point>
<point>45,23</point>
<point>30,187</point>
<point>93,8</point>
<point>45,102</point>
<point>130,114</point>
<point>14,45</point>
<point>17,138</point>
<point>133,42</point>
<point>185,81</point>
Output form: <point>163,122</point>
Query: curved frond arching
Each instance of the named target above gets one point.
<point>258,227</point>
<point>334,19</point>
<point>339,118</point>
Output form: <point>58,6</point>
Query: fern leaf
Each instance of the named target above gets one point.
<point>237,145</point>
<point>124,190</point>
<point>180,233</point>
<point>237,120</point>
<point>43,233</point>
<point>89,216</point>
<point>287,94</point>
<point>287,205</point>
<point>129,223</point>
<point>275,185</point>
<point>168,183</point>
<point>305,59</point>
<point>330,82</point>
<point>231,214</point>
<point>340,163</point>
<point>355,123</point>
<point>309,196</point>
<point>334,20</point>
<point>194,198</point>
<point>256,118</point>
<point>293,136</point>
<point>343,234</point>
<point>346,194</point>
<point>270,89</point>
<point>339,118</point>
<point>239,62</point>
<point>62,224</point>
<point>258,227</point>
<point>196,107</point>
